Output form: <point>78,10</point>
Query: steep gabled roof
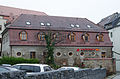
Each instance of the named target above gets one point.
<point>109,19</point>
<point>10,11</point>
<point>56,23</point>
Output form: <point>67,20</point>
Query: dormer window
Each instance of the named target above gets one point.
<point>71,36</point>
<point>28,23</point>
<point>99,37</point>
<point>48,24</point>
<point>42,24</point>
<point>72,25</point>
<point>85,37</point>
<point>77,25</point>
<point>23,35</point>
<point>41,36</point>
<point>88,26</point>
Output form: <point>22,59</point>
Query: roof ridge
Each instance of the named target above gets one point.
<point>56,16</point>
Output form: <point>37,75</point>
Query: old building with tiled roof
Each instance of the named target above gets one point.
<point>82,40</point>
<point>7,14</point>
<point>112,24</point>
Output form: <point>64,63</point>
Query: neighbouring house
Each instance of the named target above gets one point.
<point>7,14</point>
<point>82,41</point>
<point>112,24</point>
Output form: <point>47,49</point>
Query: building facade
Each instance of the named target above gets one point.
<point>7,14</point>
<point>80,41</point>
<point>112,23</point>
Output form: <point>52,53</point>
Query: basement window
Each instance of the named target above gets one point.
<point>70,54</point>
<point>18,54</point>
<point>58,54</point>
<point>103,54</point>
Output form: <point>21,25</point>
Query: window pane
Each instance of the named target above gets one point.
<point>32,54</point>
<point>30,68</point>
<point>103,54</point>
<point>23,35</point>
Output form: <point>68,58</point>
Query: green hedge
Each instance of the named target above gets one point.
<point>13,60</point>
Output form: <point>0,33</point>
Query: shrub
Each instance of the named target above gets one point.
<point>13,60</point>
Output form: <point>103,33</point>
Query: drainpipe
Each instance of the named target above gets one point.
<point>11,51</point>
<point>1,48</point>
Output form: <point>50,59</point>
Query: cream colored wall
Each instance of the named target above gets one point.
<point>2,22</point>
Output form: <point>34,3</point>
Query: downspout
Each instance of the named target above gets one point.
<point>1,46</point>
<point>10,50</point>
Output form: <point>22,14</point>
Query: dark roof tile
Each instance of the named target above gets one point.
<point>57,23</point>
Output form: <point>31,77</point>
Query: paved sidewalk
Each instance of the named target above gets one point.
<point>114,76</point>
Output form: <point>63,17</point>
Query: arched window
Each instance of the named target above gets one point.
<point>85,37</point>
<point>57,36</point>
<point>23,35</point>
<point>99,37</point>
<point>71,36</point>
<point>41,36</point>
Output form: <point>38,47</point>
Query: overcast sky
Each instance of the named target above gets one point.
<point>94,10</point>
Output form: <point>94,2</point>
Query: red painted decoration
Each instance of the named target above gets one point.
<point>88,49</point>
<point>97,49</point>
<point>77,50</point>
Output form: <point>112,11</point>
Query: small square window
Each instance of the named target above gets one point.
<point>103,54</point>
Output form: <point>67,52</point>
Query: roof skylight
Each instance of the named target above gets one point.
<point>42,24</point>
<point>88,26</point>
<point>72,25</point>
<point>77,25</point>
<point>48,24</point>
<point>28,23</point>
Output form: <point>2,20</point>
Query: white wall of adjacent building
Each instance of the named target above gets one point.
<point>114,35</point>
<point>2,27</point>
